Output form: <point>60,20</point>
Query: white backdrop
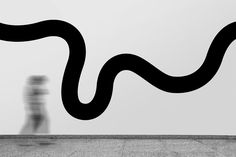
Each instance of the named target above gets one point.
<point>172,35</point>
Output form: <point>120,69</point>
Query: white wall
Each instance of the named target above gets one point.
<point>172,35</point>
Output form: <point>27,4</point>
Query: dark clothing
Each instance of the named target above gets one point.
<point>37,120</point>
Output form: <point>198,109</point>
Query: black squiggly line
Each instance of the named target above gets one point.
<point>115,65</point>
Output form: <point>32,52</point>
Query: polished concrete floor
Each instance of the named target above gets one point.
<point>116,146</point>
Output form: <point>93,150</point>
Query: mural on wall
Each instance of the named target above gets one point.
<point>112,67</point>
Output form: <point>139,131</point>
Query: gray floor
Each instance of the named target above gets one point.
<point>117,146</point>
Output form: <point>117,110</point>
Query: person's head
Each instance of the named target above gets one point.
<point>37,80</point>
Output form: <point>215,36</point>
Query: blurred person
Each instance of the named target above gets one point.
<point>36,119</point>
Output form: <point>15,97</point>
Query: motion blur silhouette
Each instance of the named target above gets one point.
<point>36,118</point>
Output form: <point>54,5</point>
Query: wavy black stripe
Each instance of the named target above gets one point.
<point>112,67</point>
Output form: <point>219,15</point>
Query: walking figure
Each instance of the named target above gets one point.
<point>36,118</point>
